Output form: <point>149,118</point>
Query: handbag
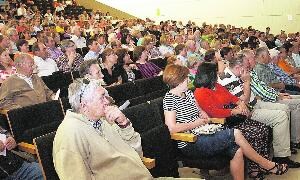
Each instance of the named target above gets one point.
<point>233,120</point>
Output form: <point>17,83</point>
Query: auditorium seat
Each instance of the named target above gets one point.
<point>29,122</point>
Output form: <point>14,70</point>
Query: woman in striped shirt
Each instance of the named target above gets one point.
<point>183,115</point>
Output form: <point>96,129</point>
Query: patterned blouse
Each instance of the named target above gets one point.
<point>5,74</point>
<point>62,63</point>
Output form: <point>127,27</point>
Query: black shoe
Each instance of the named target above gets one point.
<point>294,151</point>
<point>286,160</point>
<point>295,145</point>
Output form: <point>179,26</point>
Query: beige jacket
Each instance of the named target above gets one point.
<point>15,92</point>
<point>81,152</point>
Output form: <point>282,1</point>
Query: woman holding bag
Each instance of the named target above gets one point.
<point>183,115</point>
<point>218,102</point>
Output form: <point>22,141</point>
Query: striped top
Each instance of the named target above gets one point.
<point>235,85</point>
<point>185,108</point>
<point>259,88</point>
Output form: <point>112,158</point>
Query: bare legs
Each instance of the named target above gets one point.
<point>250,153</point>
<point>237,165</point>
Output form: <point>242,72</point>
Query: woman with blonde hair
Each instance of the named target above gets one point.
<point>7,67</point>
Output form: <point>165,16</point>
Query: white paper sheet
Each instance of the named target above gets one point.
<point>3,139</point>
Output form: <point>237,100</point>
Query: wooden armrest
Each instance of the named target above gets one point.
<point>26,147</point>
<point>217,120</point>
<point>148,162</point>
<point>4,111</point>
<point>184,137</point>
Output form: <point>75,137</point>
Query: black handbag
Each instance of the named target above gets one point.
<point>232,121</point>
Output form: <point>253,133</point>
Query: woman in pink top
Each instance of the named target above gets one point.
<point>7,67</point>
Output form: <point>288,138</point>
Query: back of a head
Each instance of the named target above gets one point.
<point>175,74</point>
<point>206,76</point>
<point>137,52</point>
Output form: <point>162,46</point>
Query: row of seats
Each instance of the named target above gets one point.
<point>32,121</point>
<point>157,143</point>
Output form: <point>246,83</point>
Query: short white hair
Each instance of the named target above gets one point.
<point>82,90</point>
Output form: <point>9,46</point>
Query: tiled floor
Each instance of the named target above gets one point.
<point>292,174</point>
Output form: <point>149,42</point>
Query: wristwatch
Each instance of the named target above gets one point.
<point>125,125</point>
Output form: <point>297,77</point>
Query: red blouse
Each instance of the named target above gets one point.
<point>213,101</point>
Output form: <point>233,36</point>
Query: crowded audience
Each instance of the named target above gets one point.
<point>247,76</point>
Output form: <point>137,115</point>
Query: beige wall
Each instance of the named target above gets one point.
<point>258,13</point>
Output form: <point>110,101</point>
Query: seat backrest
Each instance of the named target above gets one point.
<point>57,80</point>
<point>143,117</point>
<point>150,85</point>
<point>65,104</point>
<point>29,122</point>
<point>123,92</point>
<point>44,146</point>
<point>156,141</point>
<point>4,122</point>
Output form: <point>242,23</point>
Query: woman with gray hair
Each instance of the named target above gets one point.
<point>70,60</point>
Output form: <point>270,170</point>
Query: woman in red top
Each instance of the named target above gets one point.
<point>213,98</point>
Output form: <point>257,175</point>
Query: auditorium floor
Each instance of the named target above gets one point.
<point>292,174</point>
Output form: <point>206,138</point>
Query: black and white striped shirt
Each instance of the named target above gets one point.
<point>234,85</point>
<point>185,108</point>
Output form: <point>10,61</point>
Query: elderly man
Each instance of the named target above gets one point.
<point>45,65</point>
<point>23,88</point>
<point>237,80</point>
<point>269,96</point>
<point>96,140</point>
<point>265,73</point>
<point>14,167</point>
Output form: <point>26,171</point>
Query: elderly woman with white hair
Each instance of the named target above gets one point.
<point>92,135</point>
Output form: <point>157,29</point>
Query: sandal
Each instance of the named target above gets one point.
<point>259,176</point>
<point>280,169</point>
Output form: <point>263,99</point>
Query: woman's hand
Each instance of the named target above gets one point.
<point>71,57</point>
<point>10,143</point>
<point>203,115</point>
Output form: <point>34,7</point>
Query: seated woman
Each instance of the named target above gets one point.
<point>148,43</point>
<point>7,67</point>
<point>183,115</point>
<point>165,48</point>
<point>129,71</point>
<point>70,60</point>
<point>148,69</point>
<point>112,75</point>
<point>218,102</point>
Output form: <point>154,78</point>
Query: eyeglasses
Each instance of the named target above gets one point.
<point>86,82</point>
